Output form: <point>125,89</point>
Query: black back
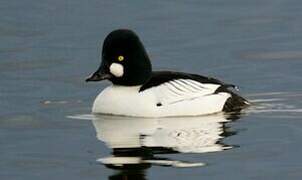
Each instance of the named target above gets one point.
<point>160,77</point>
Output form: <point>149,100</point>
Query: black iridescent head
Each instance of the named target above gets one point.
<point>124,60</point>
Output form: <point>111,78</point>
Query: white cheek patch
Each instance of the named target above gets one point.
<point>116,69</point>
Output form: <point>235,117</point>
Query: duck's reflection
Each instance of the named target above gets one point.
<point>136,142</point>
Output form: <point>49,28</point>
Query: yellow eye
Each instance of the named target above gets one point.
<point>120,58</point>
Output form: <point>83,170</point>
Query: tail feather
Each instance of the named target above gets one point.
<point>235,103</point>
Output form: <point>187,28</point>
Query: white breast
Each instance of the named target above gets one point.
<point>181,97</point>
<point>124,100</point>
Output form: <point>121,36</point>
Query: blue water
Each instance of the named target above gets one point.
<point>47,48</point>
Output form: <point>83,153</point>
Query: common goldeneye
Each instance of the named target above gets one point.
<point>139,91</point>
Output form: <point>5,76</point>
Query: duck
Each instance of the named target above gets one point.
<point>139,91</point>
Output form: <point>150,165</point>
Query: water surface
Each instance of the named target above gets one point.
<point>47,49</point>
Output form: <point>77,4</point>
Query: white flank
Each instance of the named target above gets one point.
<point>181,97</point>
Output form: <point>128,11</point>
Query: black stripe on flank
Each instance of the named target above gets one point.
<point>172,90</point>
<point>186,86</point>
<point>175,86</point>
<point>191,84</point>
<point>160,77</point>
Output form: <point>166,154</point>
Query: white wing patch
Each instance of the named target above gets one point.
<point>182,90</point>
